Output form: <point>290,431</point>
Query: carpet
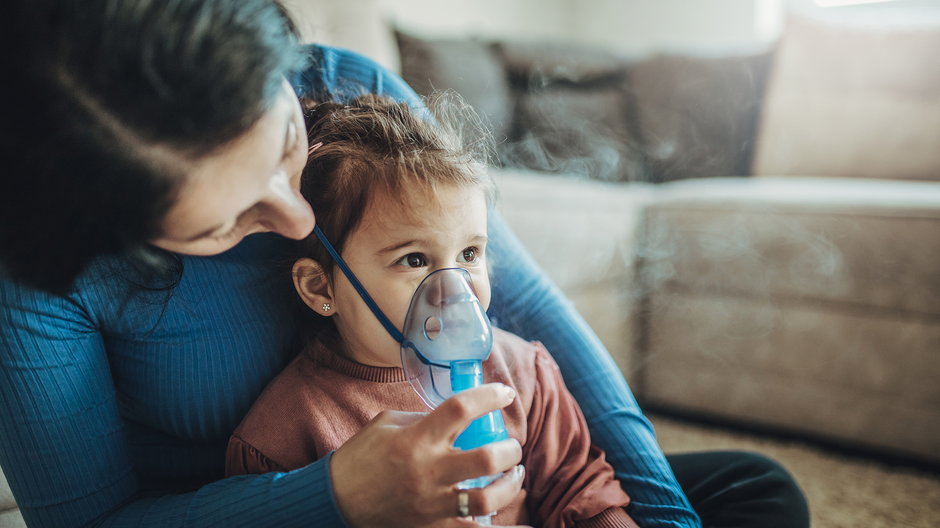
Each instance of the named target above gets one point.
<point>843,490</point>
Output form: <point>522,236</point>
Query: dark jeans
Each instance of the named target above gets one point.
<point>732,489</point>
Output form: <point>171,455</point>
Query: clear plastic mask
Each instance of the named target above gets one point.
<point>445,323</point>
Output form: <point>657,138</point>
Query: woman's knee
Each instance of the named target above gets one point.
<point>773,488</point>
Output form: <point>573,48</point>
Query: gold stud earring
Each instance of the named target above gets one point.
<point>326,307</point>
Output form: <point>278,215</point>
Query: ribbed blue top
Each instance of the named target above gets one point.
<point>116,403</point>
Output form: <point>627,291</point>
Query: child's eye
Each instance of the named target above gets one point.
<point>469,255</point>
<point>413,260</point>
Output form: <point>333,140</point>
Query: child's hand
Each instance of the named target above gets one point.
<point>402,468</point>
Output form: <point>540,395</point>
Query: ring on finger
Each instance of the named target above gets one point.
<point>463,503</point>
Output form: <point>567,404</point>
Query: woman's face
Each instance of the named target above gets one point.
<point>250,186</point>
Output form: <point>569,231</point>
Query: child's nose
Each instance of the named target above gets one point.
<point>434,294</point>
<point>451,286</point>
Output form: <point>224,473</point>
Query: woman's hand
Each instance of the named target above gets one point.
<point>402,469</point>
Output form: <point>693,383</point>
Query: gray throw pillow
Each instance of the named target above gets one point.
<point>469,67</point>
<point>576,129</point>
<point>697,116</point>
<point>574,112</point>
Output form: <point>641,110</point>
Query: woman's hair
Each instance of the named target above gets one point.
<point>374,145</point>
<point>112,101</point>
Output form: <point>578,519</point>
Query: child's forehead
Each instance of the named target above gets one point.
<point>416,206</point>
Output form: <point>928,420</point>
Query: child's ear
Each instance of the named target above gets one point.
<point>313,286</point>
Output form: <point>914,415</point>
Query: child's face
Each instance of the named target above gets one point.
<point>396,245</point>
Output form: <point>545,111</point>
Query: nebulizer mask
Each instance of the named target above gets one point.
<point>445,339</point>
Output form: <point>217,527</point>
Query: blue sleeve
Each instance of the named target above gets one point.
<point>339,75</point>
<point>62,444</point>
<point>525,302</point>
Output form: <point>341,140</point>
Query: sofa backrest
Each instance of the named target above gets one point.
<point>830,99</point>
<point>577,109</point>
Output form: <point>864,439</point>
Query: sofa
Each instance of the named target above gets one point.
<point>754,235</point>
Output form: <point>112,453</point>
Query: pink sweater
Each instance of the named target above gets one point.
<point>322,398</point>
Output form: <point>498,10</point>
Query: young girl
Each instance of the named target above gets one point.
<point>400,197</point>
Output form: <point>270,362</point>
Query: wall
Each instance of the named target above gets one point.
<point>628,27</point>
<point>644,26</point>
<point>526,19</point>
<point>634,27</point>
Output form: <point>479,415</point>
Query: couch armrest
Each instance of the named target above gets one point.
<point>805,304</point>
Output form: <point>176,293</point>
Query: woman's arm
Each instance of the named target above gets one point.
<point>527,303</point>
<point>63,446</point>
<point>341,75</point>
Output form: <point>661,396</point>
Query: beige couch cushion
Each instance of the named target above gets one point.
<point>9,515</point>
<point>853,100</point>
<point>6,496</point>
<point>806,304</point>
<point>857,377</point>
<point>868,243</point>
<point>12,519</point>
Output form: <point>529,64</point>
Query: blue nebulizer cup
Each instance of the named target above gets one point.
<point>446,337</point>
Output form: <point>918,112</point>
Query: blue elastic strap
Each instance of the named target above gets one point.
<point>379,314</point>
<point>392,331</point>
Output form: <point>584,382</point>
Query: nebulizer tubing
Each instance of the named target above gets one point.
<point>461,342</point>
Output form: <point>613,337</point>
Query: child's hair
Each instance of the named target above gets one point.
<point>376,145</point>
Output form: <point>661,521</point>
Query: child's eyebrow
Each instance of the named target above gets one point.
<point>475,239</point>
<point>396,247</point>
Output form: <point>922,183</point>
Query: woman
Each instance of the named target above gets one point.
<point>147,140</point>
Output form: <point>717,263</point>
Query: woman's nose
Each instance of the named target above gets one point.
<point>286,211</point>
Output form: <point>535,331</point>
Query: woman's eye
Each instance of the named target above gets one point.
<point>292,142</point>
<point>224,235</point>
<point>240,223</point>
<point>469,255</point>
<point>413,260</point>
